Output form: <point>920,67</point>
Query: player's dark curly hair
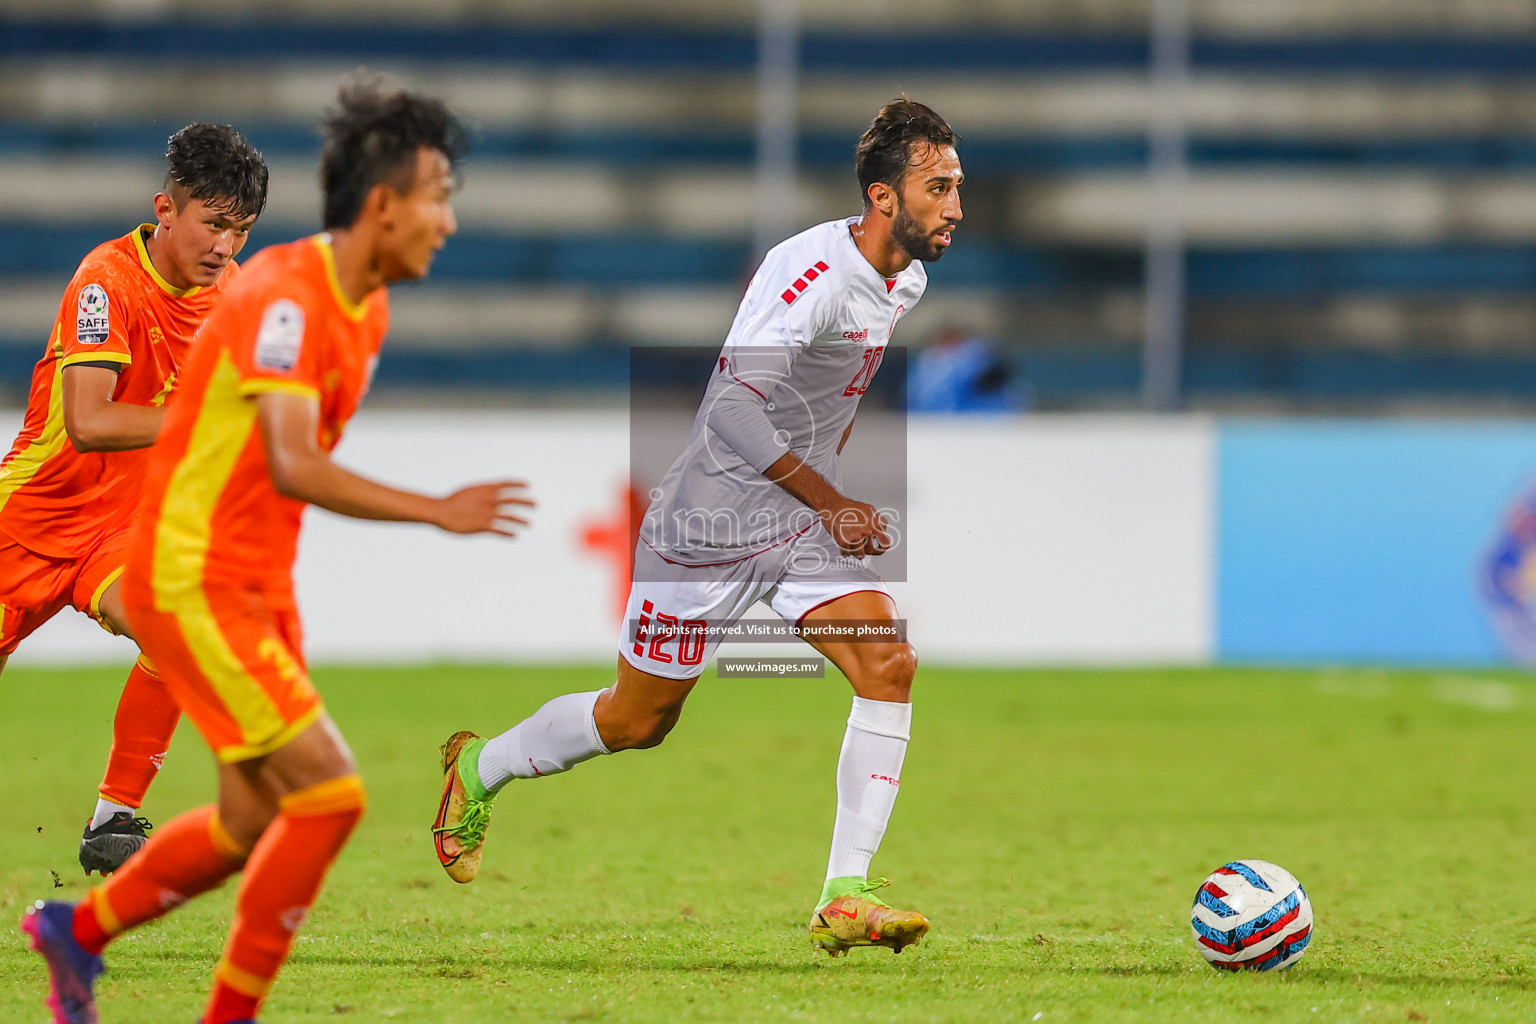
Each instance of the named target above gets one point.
<point>372,137</point>
<point>218,165</point>
<point>897,135</point>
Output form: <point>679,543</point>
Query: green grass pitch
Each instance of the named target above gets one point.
<point>1053,824</point>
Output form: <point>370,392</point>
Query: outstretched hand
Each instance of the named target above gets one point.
<point>486,508</point>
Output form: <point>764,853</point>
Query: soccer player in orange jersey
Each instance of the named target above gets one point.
<point>279,369</point>
<point>70,484</point>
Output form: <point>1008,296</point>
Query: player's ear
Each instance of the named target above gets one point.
<point>883,198</point>
<point>165,210</point>
<point>380,203</point>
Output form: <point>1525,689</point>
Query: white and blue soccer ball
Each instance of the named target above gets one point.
<point>1251,915</point>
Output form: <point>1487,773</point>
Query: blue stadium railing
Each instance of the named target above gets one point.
<point>985,157</point>
<point>650,259</point>
<point>1080,372</point>
<point>649,47</point>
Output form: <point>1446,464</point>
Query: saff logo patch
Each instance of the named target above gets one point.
<point>280,337</point>
<point>93,318</point>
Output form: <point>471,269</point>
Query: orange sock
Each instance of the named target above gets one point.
<point>282,879</point>
<point>189,855</point>
<point>141,733</point>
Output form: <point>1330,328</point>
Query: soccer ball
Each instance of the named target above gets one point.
<point>1251,915</point>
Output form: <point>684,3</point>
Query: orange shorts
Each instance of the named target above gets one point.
<point>232,658</point>
<point>34,588</point>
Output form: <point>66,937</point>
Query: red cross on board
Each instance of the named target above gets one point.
<point>614,538</point>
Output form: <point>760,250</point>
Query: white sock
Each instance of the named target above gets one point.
<point>554,739</point>
<point>105,809</point>
<point>868,779</point>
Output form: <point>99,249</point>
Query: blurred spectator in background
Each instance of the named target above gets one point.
<point>959,370</point>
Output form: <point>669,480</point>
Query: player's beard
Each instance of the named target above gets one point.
<point>909,234</point>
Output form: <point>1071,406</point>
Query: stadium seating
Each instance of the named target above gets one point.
<point>1361,209</point>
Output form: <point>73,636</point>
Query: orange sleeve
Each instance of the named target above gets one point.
<point>94,317</point>
<point>281,345</point>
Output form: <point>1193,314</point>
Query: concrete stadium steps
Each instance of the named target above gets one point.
<point>1067,376</point>
<point>1470,325</point>
<point>1293,206</point>
<point>626,260</point>
<point>436,316</point>
<point>1251,207</point>
<point>446,317</point>
<point>466,319</point>
<point>636,44</point>
<point>1411,323</point>
<point>98,92</point>
<point>536,199</point>
<point>1292,380</point>
<point>823,151</point>
<point>701,44</point>
<point>1223,17</point>
<point>1362,203</point>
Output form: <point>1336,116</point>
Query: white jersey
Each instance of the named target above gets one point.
<point>807,341</point>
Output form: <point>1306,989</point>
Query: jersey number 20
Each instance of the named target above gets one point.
<point>866,375</point>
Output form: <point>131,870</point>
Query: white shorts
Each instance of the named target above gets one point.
<point>674,612</point>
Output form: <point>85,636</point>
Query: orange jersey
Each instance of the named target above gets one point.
<point>55,500</point>
<point>210,512</point>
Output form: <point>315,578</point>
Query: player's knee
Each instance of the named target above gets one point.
<point>244,824</point>
<point>654,731</point>
<point>112,614</point>
<point>647,730</point>
<point>891,672</point>
<point>339,800</point>
<point>225,841</point>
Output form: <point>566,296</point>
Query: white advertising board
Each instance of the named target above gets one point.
<point>1053,540</point>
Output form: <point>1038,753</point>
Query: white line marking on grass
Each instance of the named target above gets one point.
<point>1355,683</point>
<point>1486,694</point>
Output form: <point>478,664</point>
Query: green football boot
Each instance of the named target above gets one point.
<point>464,813</point>
<point>852,915</point>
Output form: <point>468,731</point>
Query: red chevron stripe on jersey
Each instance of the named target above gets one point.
<point>802,282</point>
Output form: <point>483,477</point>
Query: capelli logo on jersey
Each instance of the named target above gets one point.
<point>856,335</point>
<point>886,778</point>
<point>93,320</point>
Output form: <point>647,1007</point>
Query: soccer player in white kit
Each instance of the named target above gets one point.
<point>753,510</point>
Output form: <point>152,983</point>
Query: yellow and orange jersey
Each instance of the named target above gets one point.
<point>117,309</point>
<point>210,512</point>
